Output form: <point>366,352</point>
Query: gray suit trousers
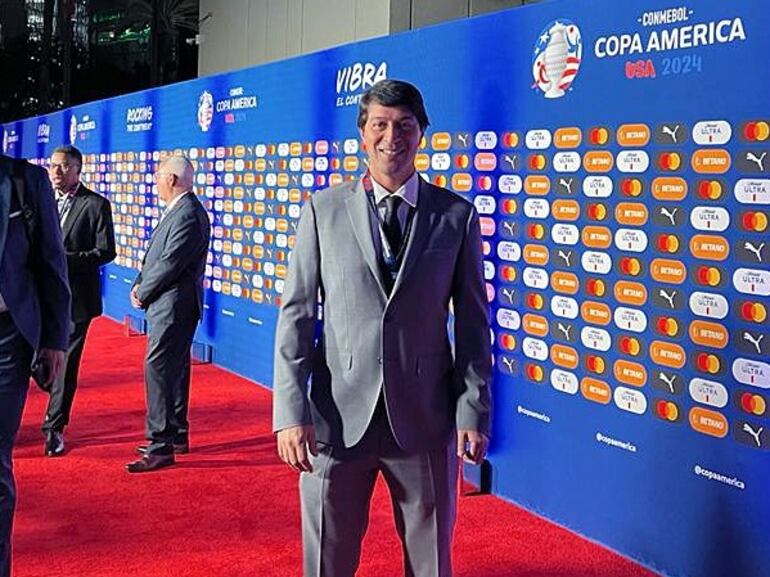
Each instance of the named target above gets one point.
<point>336,497</point>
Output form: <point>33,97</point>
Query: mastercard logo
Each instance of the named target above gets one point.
<point>510,140</point>
<point>596,287</point>
<point>752,311</point>
<point>534,372</point>
<point>754,221</point>
<point>597,211</point>
<point>598,136</point>
<point>667,410</point>
<point>632,187</point>
<point>708,363</point>
<point>756,131</point>
<point>752,403</point>
<point>670,161</point>
<point>595,364</point>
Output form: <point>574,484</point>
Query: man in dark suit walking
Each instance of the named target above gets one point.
<point>89,242</point>
<point>170,289</point>
<point>34,310</point>
<point>386,254</point>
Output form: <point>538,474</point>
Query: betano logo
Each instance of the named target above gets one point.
<point>557,57</point>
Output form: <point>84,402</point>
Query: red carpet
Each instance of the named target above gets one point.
<point>229,508</point>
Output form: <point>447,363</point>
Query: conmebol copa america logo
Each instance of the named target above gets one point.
<point>205,110</point>
<point>556,61</point>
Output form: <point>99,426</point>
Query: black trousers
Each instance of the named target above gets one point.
<point>15,360</point>
<point>63,390</point>
<point>167,382</point>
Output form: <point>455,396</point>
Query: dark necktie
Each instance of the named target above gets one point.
<point>392,226</point>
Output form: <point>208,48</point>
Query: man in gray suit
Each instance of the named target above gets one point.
<point>385,256</point>
<point>170,289</point>
<point>34,310</point>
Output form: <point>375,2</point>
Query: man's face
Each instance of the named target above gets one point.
<point>165,183</point>
<point>64,171</point>
<point>391,136</point>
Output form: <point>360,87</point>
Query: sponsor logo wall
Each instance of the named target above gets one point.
<point>618,157</point>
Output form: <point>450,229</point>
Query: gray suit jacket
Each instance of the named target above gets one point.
<point>370,342</point>
<point>171,281</point>
<point>33,279</point>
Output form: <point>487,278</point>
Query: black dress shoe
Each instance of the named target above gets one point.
<point>179,449</point>
<point>54,444</point>
<point>150,463</point>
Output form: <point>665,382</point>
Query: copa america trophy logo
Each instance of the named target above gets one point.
<point>556,61</point>
<point>5,140</point>
<point>73,129</point>
<point>205,110</point>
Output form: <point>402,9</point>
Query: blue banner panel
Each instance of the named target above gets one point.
<point>618,156</point>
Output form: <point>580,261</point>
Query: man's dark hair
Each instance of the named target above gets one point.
<point>393,93</point>
<point>70,151</point>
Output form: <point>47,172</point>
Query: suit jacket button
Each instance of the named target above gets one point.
<point>379,360</point>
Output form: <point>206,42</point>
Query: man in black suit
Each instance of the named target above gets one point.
<point>89,243</point>
<point>34,310</point>
<point>170,290</point>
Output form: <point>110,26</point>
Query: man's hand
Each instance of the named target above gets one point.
<point>54,359</point>
<point>294,444</point>
<point>135,302</point>
<point>472,446</point>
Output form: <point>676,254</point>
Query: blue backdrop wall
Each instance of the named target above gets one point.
<point>617,152</point>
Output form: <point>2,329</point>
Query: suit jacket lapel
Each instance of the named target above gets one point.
<point>5,208</point>
<point>164,221</point>
<point>359,213</point>
<point>78,204</point>
<point>421,227</point>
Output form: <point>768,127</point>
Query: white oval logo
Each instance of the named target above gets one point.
<point>564,307</point>
<point>564,381</point>
<point>630,239</point>
<point>596,339</point>
<point>710,305</point>
<point>708,393</point>
<point>567,234</point>
<point>537,208</point>
<point>535,278</point>
<point>538,139</point>
<point>712,132</point>
<point>596,262</point>
<point>566,162</point>
<point>752,282</point>
<point>534,349</point>
<point>710,218</point>
<point>630,319</point>
<point>509,184</point>
<point>440,161</point>
<point>597,186</point>
<point>509,251</point>
<point>752,373</point>
<point>486,140</point>
<point>485,204</point>
<point>508,319</point>
<point>630,400</point>
<point>633,161</point>
<point>752,191</point>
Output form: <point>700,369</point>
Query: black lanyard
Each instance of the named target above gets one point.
<point>391,261</point>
